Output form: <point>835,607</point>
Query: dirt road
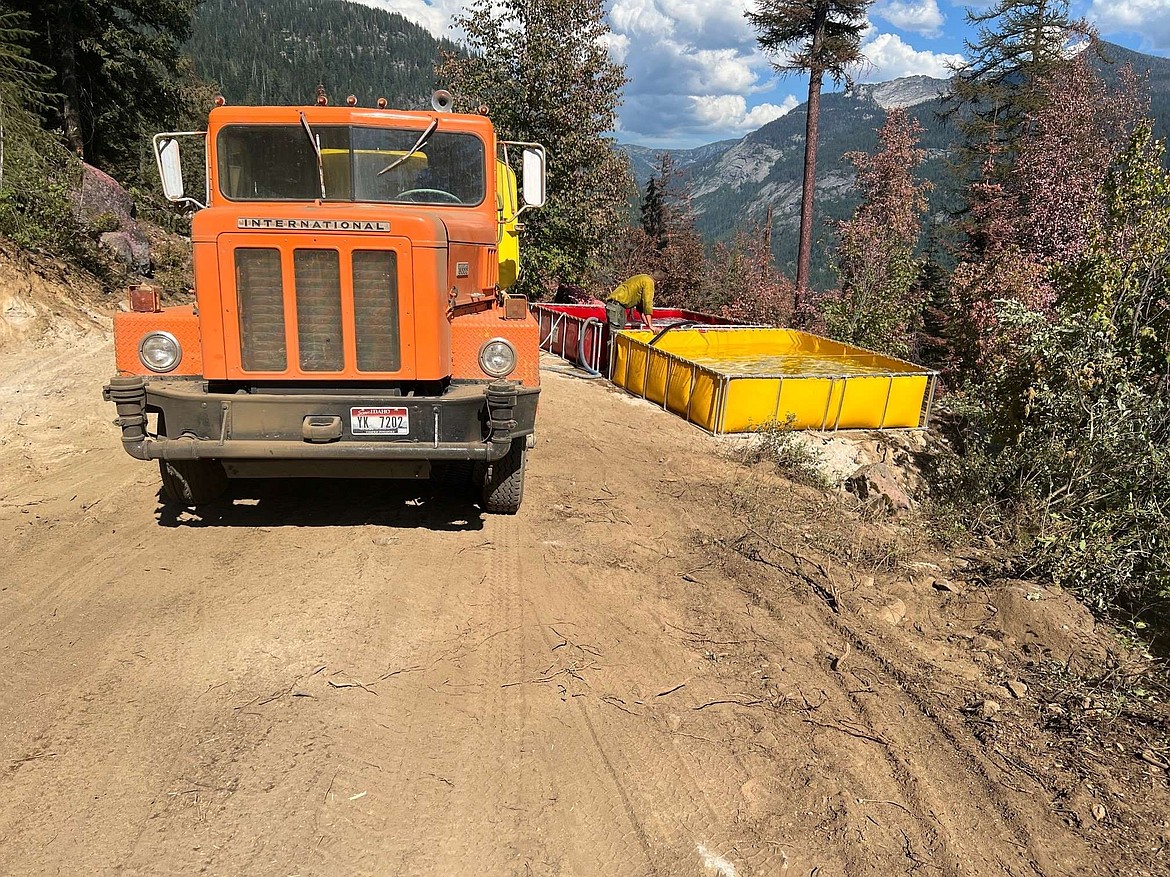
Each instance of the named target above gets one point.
<point>338,678</point>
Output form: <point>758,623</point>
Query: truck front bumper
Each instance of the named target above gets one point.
<point>473,421</point>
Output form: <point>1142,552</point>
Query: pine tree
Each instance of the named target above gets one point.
<point>820,37</point>
<point>277,51</point>
<point>22,82</point>
<point>652,210</point>
<point>1020,45</point>
<point>116,70</point>
<point>542,70</point>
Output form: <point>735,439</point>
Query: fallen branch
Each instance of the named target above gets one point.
<point>852,732</point>
<point>703,706</point>
<point>354,684</point>
<point>891,803</point>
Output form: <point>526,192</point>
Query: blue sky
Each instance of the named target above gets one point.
<point>696,74</point>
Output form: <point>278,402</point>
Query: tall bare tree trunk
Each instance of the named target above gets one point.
<point>66,48</point>
<point>816,80</point>
<point>804,253</point>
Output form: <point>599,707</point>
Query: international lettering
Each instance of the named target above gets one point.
<point>249,222</point>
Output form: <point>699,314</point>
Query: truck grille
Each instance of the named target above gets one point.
<point>319,293</point>
<point>318,283</point>
<point>375,305</point>
<point>261,305</point>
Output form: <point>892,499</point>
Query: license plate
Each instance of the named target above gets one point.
<point>379,421</point>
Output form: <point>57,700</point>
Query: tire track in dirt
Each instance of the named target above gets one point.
<point>673,808</point>
<point>915,774</point>
<point>920,750</point>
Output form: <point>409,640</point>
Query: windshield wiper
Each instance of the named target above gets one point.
<point>419,144</point>
<point>317,152</point>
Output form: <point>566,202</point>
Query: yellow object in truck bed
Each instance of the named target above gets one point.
<point>737,379</point>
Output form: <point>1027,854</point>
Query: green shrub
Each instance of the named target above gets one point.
<point>782,446</point>
<point>1066,439</point>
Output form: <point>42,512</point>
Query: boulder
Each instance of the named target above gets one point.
<point>102,203</point>
<point>876,483</point>
<point>102,200</point>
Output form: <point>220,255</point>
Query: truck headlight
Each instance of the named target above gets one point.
<point>160,352</point>
<point>498,358</point>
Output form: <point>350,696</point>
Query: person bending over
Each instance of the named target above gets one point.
<point>637,293</point>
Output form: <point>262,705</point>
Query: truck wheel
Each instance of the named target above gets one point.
<point>192,482</point>
<point>503,481</point>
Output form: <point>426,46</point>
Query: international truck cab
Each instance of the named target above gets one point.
<point>352,315</point>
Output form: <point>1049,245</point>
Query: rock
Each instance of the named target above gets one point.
<point>102,200</point>
<point>894,611</point>
<point>1017,688</point>
<point>989,708</point>
<point>130,247</point>
<point>108,208</point>
<point>674,721</point>
<point>876,483</point>
<point>945,585</point>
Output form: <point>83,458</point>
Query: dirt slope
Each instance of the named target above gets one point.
<point>339,678</point>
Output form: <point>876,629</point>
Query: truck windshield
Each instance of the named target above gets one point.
<point>278,163</point>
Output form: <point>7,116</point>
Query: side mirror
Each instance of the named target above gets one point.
<point>534,177</point>
<point>170,168</point>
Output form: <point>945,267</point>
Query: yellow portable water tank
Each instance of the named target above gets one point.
<point>508,243</point>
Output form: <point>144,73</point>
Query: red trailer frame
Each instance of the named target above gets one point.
<point>580,333</point>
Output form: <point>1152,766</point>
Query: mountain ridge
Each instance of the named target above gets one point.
<point>277,51</point>
<point>732,183</point>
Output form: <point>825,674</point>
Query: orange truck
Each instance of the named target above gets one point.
<point>352,315</point>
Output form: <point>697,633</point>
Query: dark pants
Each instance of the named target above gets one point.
<point>615,315</point>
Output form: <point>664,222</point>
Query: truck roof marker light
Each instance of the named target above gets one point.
<point>322,98</point>
<point>351,101</point>
<point>382,103</point>
<point>482,109</point>
<point>219,100</point>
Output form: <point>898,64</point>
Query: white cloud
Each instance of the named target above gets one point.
<point>1149,19</point>
<point>618,45</point>
<point>920,16</point>
<point>729,112</point>
<point>692,65</point>
<point>434,15</point>
<point>890,57</point>
<point>640,16</point>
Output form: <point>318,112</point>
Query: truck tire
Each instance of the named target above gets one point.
<point>192,482</point>
<point>503,481</point>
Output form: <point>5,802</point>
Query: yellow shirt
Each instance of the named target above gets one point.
<point>637,292</point>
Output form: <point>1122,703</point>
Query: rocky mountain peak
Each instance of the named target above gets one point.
<point>909,91</point>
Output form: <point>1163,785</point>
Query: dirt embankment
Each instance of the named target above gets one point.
<point>668,664</point>
<point>42,302</point>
